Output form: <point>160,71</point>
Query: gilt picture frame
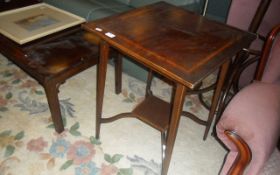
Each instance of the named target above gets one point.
<point>26,24</point>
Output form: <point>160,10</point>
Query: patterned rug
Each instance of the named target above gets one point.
<point>29,145</point>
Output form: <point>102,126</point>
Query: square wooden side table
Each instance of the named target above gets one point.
<point>180,45</point>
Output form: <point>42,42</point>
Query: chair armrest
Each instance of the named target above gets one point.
<point>244,153</point>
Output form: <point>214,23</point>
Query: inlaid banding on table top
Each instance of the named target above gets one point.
<point>183,36</point>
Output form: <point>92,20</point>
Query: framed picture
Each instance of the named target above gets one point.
<point>32,22</point>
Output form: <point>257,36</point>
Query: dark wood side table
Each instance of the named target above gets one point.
<point>53,59</point>
<point>175,43</point>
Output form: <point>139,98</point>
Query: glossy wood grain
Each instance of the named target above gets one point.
<point>244,154</point>
<point>163,36</point>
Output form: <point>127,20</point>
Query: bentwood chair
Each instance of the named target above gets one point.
<point>250,124</point>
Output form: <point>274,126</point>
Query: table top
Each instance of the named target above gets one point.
<point>179,44</point>
<point>53,55</point>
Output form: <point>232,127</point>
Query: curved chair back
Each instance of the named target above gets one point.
<point>269,66</point>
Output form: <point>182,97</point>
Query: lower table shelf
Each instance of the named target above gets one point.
<point>155,112</point>
<point>152,111</point>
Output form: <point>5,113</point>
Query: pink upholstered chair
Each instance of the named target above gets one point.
<point>254,114</point>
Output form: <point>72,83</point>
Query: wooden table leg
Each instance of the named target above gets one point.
<point>101,77</point>
<point>174,123</point>
<point>118,73</point>
<point>51,90</point>
<point>216,96</point>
